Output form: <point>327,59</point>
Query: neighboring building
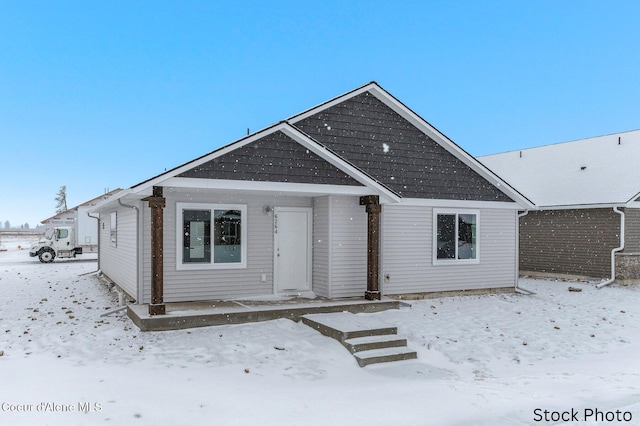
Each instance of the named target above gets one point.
<point>87,230</point>
<point>588,210</point>
<point>356,197</point>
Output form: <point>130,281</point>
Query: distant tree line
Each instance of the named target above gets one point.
<point>7,225</point>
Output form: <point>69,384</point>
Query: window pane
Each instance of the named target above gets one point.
<point>446,236</point>
<point>467,236</point>
<point>227,243</point>
<point>196,226</point>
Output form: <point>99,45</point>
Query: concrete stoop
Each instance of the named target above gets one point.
<point>369,341</point>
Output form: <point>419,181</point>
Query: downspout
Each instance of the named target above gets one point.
<point>614,251</point>
<point>519,289</point>
<point>98,224</point>
<point>138,248</point>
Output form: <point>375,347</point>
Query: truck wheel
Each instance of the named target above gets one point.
<point>47,256</point>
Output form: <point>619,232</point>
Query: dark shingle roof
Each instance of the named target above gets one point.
<point>376,139</point>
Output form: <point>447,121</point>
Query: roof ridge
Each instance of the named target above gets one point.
<point>559,143</point>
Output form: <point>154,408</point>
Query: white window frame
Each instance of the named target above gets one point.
<point>455,212</point>
<point>180,265</point>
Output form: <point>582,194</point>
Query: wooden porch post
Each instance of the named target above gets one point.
<point>373,207</point>
<point>157,202</point>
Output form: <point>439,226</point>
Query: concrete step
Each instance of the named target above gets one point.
<point>345,325</point>
<point>377,356</point>
<point>368,343</point>
<point>369,340</point>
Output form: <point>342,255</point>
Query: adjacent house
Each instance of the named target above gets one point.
<point>356,197</point>
<point>87,230</point>
<point>587,221</point>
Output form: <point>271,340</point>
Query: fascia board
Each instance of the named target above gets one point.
<point>111,200</point>
<point>580,206</point>
<point>245,185</point>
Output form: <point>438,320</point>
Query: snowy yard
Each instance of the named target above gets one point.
<point>493,359</point>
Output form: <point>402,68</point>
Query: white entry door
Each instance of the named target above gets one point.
<point>292,251</point>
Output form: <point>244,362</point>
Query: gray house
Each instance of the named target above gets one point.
<point>356,197</point>
<point>587,221</point>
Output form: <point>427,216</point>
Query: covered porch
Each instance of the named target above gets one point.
<point>182,315</point>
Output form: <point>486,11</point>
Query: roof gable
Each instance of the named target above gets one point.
<point>596,171</point>
<point>371,135</point>
<point>275,157</point>
<point>417,160</point>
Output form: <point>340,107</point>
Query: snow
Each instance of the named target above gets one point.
<point>491,359</point>
<point>589,171</point>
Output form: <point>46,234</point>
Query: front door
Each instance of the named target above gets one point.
<point>292,251</point>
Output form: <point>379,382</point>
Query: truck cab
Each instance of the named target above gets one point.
<point>60,242</point>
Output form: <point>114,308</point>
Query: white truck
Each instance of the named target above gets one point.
<point>69,234</point>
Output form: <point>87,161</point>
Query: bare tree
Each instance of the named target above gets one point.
<point>61,199</point>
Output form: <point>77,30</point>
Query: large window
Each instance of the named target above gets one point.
<point>211,236</point>
<point>456,236</point>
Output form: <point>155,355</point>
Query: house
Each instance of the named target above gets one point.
<point>587,221</point>
<point>87,230</point>
<point>356,197</point>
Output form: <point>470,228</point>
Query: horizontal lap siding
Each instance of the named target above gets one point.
<point>215,284</point>
<point>407,239</point>
<point>321,241</point>
<point>348,247</point>
<point>119,263</point>
<point>574,242</point>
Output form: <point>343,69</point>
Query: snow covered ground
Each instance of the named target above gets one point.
<point>482,360</point>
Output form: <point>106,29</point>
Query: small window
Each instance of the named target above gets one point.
<point>456,237</point>
<point>114,229</point>
<point>62,234</point>
<point>211,236</point>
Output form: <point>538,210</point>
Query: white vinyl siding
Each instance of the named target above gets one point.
<point>407,253</point>
<point>348,227</point>
<point>119,262</point>
<point>193,285</point>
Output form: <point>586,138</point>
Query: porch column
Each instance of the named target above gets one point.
<point>373,207</point>
<point>157,202</point>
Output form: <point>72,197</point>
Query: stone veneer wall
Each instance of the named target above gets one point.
<point>628,268</point>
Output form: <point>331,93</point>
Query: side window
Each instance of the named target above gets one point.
<point>456,236</point>
<point>63,233</point>
<point>211,236</point>
<point>114,229</point>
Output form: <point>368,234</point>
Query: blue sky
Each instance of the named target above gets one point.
<point>97,95</point>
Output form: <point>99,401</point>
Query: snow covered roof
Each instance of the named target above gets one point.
<point>598,171</point>
<point>92,202</point>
